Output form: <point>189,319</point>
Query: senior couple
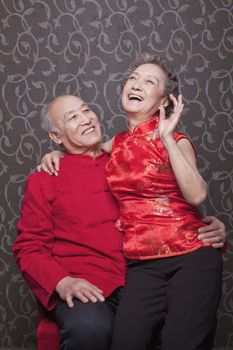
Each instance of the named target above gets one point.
<point>75,238</point>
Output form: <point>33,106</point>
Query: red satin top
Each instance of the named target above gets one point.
<point>157,220</point>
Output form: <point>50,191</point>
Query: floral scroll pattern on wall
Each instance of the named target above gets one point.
<point>83,47</point>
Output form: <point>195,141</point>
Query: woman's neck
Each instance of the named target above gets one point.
<point>133,122</point>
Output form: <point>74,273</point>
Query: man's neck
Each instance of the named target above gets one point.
<point>95,152</point>
<point>92,152</point>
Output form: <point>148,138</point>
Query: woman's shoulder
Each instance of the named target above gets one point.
<point>120,137</point>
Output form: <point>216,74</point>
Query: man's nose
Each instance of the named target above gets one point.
<point>85,119</point>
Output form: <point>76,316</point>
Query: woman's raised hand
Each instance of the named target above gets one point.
<point>167,125</point>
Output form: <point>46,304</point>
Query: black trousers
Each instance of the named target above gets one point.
<point>87,326</point>
<point>170,303</point>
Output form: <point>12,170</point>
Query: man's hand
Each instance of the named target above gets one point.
<point>69,288</point>
<point>214,233</point>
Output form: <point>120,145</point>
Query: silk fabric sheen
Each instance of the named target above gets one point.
<point>155,217</point>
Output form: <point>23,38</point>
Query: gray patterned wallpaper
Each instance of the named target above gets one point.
<point>82,47</point>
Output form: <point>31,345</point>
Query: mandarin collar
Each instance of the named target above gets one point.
<point>146,126</point>
<point>84,158</point>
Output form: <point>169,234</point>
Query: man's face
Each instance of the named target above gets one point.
<point>79,128</point>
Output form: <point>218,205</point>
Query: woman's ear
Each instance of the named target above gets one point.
<point>55,137</point>
<point>165,101</point>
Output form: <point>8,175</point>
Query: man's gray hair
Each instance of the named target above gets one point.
<point>46,122</point>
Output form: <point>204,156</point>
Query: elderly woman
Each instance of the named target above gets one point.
<point>174,278</point>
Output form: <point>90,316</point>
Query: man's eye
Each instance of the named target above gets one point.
<point>73,116</point>
<point>86,110</point>
<point>132,77</point>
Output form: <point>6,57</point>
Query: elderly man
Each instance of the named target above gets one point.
<point>68,249</point>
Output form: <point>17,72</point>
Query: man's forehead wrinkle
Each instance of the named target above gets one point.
<point>66,114</point>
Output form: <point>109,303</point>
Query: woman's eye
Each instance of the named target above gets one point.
<point>131,77</point>
<point>151,82</point>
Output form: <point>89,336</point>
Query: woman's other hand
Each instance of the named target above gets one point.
<point>50,162</point>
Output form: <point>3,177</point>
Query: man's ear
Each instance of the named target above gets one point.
<point>55,137</point>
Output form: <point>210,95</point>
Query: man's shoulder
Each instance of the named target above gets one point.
<point>39,184</point>
<point>39,175</point>
<point>36,178</point>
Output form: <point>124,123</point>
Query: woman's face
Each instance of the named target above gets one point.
<point>143,92</point>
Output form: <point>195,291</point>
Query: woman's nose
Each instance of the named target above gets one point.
<point>137,85</point>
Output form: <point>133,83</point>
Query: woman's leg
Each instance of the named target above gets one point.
<point>193,297</point>
<point>141,310</point>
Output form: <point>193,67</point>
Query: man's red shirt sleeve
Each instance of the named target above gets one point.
<point>33,247</point>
